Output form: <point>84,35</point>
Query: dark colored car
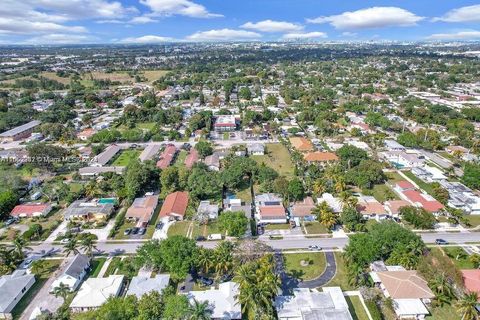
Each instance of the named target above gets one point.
<point>142,231</point>
<point>159,225</point>
<point>441,241</point>
<point>205,281</point>
<point>201,238</point>
<point>127,231</point>
<point>135,230</point>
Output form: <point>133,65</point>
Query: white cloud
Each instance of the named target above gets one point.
<point>307,35</point>
<point>349,34</point>
<point>17,26</point>
<point>460,35</point>
<point>223,35</point>
<point>272,26</point>
<point>55,38</point>
<point>142,20</point>
<point>374,17</point>
<point>178,7</point>
<point>146,39</point>
<point>463,14</point>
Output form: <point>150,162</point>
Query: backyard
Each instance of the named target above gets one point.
<point>125,157</point>
<point>459,257</point>
<point>305,266</point>
<point>277,157</point>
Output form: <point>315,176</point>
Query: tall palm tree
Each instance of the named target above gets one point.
<point>205,259</point>
<point>325,215</point>
<point>467,306</point>
<point>199,311</point>
<point>442,289</point>
<point>19,244</point>
<point>61,291</point>
<point>340,184</point>
<point>71,247</point>
<point>88,245</point>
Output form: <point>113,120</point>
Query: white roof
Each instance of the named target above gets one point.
<point>222,300</point>
<point>10,287</point>
<point>334,203</point>
<point>95,291</point>
<point>409,307</point>
<point>141,284</point>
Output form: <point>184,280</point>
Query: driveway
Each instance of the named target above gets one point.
<point>289,283</point>
<point>102,234</point>
<point>62,228</point>
<point>45,300</point>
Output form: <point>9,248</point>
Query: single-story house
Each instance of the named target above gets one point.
<point>12,288</point>
<point>303,209</point>
<point>167,156</point>
<point>149,152</point>
<point>256,149</point>
<point>141,285</point>
<point>305,305</point>
<point>191,158</point>
<point>334,203</point>
<point>320,157</point>
<point>142,210</point>
<point>269,209</point>
<point>210,210</point>
<point>370,208</point>
<point>86,134</point>
<point>74,273</point>
<point>301,144</point>
<point>104,157</point>
<point>407,289</point>
<point>222,301</point>
<point>29,210</point>
<point>213,162</point>
<point>95,291</point>
<point>89,210</point>
<point>88,172</point>
<point>393,206</point>
<point>175,205</point>
<point>393,145</point>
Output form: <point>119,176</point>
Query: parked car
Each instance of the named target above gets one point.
<point>205,281</point>
<point>127,232</point>
<point>314,247</point>
<point>135,230</point>
<point>201,238</point>
<point>10,221</point>
<point>159,225</point>
<point>64,240</point>
<point>142,231</point>
<point>441,242</point>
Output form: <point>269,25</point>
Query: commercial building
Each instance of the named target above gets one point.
<point>20,132</point>
<point>225,123</point>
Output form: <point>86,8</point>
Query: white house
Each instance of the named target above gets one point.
<point>95,291</point>
<point>141,285</point>
<point>223,301</point>
<point>74,273</point>
<point>12,288</point>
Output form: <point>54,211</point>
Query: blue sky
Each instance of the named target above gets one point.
<point>158,21</point>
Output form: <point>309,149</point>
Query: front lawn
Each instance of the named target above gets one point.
<point>394,177</point>
<point>277,157</point>
<point>305,266</point>
<point>95,266</point>
<point>40,279</point>
<point>277,226</point>
<point>473,220</point>
<point>459,257</point>
<point>125,157</point>
<point>178,228</point>
<point>206,229</point>
<point>315,227</point>
<point>446,312</point>
<point>356,308</point>
<point>340,279</point>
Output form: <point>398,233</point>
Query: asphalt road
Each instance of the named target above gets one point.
<point>281,244</point>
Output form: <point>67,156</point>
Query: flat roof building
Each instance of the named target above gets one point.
<point>20,132</point>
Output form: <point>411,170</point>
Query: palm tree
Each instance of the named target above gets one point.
<point>467,306</point>
<point>442,289</point>
<point>88,245</point>
<point>71,247</point>
<point>91,190</point>
<point>61,291</point>
<point>205,259</point>
<point>340,184</point>
<point>199,311</point>
<point>19,245</point>
<point>325,215</point>
<point>318,188</point>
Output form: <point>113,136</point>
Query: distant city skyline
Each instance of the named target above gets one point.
<point>162,21</point>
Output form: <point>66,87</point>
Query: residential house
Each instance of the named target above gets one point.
<point>462,197</point>
<point>453,150</point>
<point>95,291</point>
<point>471,280</point>
<point>90,172</point>
<point>269,209</point>
<point>422,200</point>
<point>393,207</point>
<point>142,209</point>
<point>94,210</point>
<point>104,157</point>
<point>334,203</point>
<point>303,209</point>
<point>20,132</point>
<point>222,301</point>
<point>86,134</point>
<point>320,157</point>
<point>13,156</point>
<point>206,209</point>
<point>74,273</point>
<point>370,208</point>
<point>407,289</point>
<point>175,205</point>
<point>149,152</point>
<point>167,156</point>
<point>191,158</point>
<point>428,174</point>
<point>301,144</point>
<point>234,204</point>
<point>308,305</point>
<point>213,162</point>
<point>140,285</point>
<point>12,288</point>
<point>256,149</point>
<point>401,159</point>
<point>393,145</point>
<point>29,210</point>
<point>225,123</point>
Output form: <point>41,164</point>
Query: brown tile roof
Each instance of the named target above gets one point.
<point>175,204</point>
<point>320,156</point>
<point>192,158</point>
<point>28,210</point>
<point>301,144</point>
<point>471,280</point>
<point>395,205</point>
<point>304,207</point>
<point>272,211</point>
<point>405,285</point>
<point>166,157</point>
<point>142,208</point>
<point>370,207</point>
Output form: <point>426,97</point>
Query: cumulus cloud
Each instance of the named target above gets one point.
<point>223,35</point>
<point>146,39</point>
<point>370,18</point>
<point>178,7</point>
<point>59,38</point>
<point>272,26</point>
<point>16,26</point>
<point>463,14</point>
<point>142,20</point>
<point>460,35</point>
<point>307,35</point>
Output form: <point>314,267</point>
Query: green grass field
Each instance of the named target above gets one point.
<point>393,177</point>
<point>356,308</point>
<point>180,159</point>
<point>277,226</point>
<point>178,228</point>
<point>474,220</point>
<point>277,157</point>
<point>96,266</point>
<point>315,227</point>
<point>380,192</point>
<point>340,279</point>
<point>125,157</point>
<point>425,186</point>
<point>316,265</point>
<point>459,257</point>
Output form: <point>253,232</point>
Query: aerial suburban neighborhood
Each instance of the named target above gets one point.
<point>228,174</point>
